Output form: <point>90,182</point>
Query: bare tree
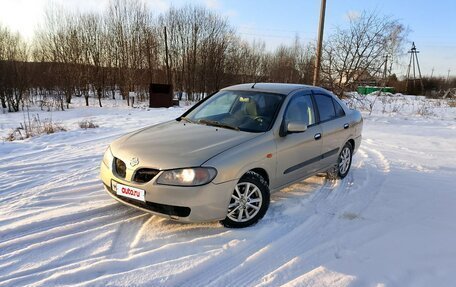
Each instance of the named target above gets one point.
<point>198,41</point>
<point>126,48</point>
<point>249,62</point>
<point>59,41</point>
<point>358,52</point>
<point>127,22</point>
<point>292,64</point>
<point>94,42</point>
<point>14,55</point>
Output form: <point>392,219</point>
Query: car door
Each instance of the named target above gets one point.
<point>298,153</point>
<point>333,125</point>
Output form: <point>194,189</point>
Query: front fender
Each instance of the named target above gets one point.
<point>234,163</point>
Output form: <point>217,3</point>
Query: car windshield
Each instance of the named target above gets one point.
<point>240,110</point>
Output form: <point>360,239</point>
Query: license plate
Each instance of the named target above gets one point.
<point>128,191</point>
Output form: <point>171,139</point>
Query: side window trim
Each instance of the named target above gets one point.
<point>316,109</point>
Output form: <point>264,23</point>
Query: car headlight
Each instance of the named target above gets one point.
<point>187,176</point>
<point>108,158</point>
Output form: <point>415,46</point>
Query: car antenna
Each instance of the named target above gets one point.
<point>253,86</point>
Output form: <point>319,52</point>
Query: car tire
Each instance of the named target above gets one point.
<point>249,201</point>
<point>344,160</point>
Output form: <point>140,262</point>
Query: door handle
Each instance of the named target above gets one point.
<point>346,126</point>
<point>317,136</point>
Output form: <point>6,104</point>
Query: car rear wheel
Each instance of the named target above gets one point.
<point>345,160</point>
<point>249,201</point>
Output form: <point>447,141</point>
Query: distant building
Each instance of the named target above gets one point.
<point>359,77</point>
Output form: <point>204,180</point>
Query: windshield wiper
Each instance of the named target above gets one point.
<point>217,124</point>
<point>185,119</point>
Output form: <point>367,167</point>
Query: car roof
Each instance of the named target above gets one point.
<point>278,88</point>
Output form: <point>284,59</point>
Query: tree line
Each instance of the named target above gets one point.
<point>126,47</point>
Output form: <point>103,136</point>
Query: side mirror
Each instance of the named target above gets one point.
<point>296,127</point>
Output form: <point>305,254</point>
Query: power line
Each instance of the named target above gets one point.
<point>275,36</point>
<point>268,29</point>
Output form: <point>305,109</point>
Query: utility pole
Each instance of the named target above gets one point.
<point>432,72</point>
<point>385,69</point>
<point>448,75</point>
<point>413,63</point>
<point>321,27</point>
<point>168,74</point>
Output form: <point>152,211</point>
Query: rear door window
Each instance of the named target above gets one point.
<point>325,107</point>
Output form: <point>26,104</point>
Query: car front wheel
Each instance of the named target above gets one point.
<point>249,201</point>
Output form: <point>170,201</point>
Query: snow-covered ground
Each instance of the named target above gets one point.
<point>390,222</point>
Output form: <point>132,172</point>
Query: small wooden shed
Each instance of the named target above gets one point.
<point>160,95</point>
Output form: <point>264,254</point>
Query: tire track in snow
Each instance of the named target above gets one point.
<point>370,169</point>
<point>327,204</point>
<point>74,247</point>
<point>240,257</point>
<point>99,245</point>
<point>56,216</point>
<point>241,265</point>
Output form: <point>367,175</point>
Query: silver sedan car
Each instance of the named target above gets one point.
<point>223,158</point>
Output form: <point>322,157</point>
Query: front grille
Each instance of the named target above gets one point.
<point>121,168</point>
<point>172,210</point>
<point>144,175</point>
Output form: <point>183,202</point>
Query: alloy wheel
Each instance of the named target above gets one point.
<point>245,203</point>
<point>344,160</point>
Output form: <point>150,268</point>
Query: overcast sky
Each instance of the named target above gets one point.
<point>432,24</point>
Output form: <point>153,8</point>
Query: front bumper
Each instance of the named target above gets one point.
<point>187,204</point>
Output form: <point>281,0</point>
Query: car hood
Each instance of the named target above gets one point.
<point>176,144</point>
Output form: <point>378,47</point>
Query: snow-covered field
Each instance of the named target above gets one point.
<point>390,222</point>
